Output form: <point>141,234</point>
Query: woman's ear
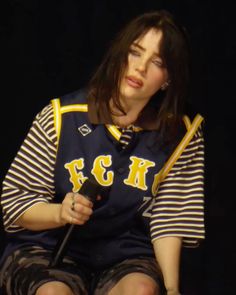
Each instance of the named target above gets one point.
<point>165,85</point>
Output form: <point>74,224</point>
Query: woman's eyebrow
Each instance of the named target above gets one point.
<point>139,46</point>
<point>143,49</point>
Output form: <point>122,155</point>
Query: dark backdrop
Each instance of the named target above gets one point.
<point>49,48</point>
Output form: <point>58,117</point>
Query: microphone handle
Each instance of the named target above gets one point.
<point>89,190</point>
<point>59,252</point>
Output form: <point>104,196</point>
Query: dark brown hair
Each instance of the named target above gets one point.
<point>174,51</point>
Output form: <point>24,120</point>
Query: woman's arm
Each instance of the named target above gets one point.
<point>178,213</point>
<point>43,216</point>
<point>29,183</point>
<point>28,188</point>
<point>168,252</point>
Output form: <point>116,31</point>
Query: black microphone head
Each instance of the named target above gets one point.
<point>90,189</point>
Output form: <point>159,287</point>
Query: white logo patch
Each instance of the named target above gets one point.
<point>84,130</point>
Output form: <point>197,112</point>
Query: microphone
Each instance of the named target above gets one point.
<point>89,190</point>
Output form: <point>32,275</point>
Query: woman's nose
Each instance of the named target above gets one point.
<point>141,66</point>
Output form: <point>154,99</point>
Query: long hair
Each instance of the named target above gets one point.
<point>174,51</point>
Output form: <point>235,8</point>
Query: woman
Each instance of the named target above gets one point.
<point>119,131</point>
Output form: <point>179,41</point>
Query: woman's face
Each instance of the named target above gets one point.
<point>145,73</point>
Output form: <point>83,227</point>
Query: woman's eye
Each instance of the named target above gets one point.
<point>158,63</point>
<point>134,52</point>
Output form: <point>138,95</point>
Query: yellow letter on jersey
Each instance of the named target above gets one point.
<point>76,178</point>
<point>138,170</point>
<point>99,171</point>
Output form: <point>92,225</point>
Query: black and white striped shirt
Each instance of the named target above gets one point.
<point>178,209</point>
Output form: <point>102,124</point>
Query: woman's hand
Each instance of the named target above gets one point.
<point>75,209</point>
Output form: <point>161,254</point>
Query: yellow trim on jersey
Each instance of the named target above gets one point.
<point>115,132</point>
<point>187,122</point>
<point>74,108</point>
<point>57,116</point>
<point>59,110</point>
<point>192,128</point>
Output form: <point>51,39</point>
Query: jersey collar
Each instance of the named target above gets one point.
<point>101,115</point>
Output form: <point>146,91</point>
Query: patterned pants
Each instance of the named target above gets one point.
<point>25,270</point>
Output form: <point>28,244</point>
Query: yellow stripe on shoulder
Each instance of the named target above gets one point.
<point>74,108</point>
<point>187,122</point>
<point>57,116</point>
<point>58,110</point>
<point>191,130</point>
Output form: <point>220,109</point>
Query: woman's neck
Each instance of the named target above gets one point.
<point>132,112</point>
<point>123,121</point>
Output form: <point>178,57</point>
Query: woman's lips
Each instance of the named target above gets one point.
<point>134,82</point>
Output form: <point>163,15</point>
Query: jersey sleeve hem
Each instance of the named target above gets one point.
<point>191,241</point>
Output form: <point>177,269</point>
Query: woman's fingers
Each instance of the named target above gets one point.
<point>76,209</point>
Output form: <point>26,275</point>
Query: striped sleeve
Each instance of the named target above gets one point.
<point>30,178</point>
<point>179,206</point>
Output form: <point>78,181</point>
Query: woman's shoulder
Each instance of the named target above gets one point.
<point>76,97</point>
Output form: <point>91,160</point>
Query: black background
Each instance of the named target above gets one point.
<point>49,48</point>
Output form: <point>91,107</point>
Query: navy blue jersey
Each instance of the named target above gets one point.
<point>118,228</point>
<point>120,225</point>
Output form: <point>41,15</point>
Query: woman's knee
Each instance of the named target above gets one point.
<point>135,284</point>
<point>145,288</point>
<point>54,288</point>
